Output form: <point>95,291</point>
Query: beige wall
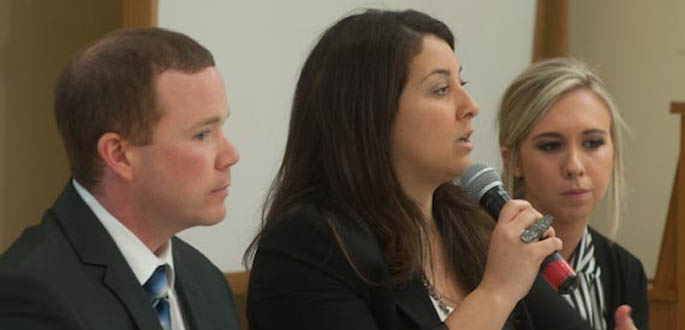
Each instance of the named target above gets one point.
<point>639,49</point>
<point>36,40</point>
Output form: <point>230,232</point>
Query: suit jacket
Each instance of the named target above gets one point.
<point>301,279</point>
<point>67,273</point>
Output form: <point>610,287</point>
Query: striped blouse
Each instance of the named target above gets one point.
<point>588,299</point>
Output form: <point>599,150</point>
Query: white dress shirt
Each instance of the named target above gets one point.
<point>142,261</point>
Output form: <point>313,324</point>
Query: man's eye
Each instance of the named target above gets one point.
<point>202,135</point>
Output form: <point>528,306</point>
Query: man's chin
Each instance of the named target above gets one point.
<point>208,219</point>
<point>216,219</point>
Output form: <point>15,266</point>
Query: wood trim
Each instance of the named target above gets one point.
<point>678,107</point>
<point>656,295</point>
<point>666,293</point>
<point>139,13</point>
<point>551,29</point>
<point>239,282</point>
<point>680,232</point>
<point>665,277</point>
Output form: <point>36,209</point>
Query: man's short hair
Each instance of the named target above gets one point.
<point>109,86</point>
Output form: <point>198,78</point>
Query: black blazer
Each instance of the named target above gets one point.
<point>67,273</point>
<point>300,279</point>
<point>623,279</point>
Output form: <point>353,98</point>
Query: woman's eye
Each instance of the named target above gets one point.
<point>442,91</point>
<point>463,83</point>
<point>549,146</point>
<point>593,143</point>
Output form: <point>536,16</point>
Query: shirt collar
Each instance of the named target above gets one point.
<point>583,259</point>
<point>142,261</point>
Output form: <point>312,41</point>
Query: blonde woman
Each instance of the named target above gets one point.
<point>560,138</point>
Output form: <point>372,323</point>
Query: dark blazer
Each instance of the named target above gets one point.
<point>623,279</point>
<point>67,273</point>
<point>549,310</point>
<point>300,279</point>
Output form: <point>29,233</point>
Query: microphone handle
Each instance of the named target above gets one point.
<point>558,273</point>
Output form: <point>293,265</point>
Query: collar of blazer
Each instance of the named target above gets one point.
<point>95,248</point>
<point>195,306</point>
<point>413,300</point>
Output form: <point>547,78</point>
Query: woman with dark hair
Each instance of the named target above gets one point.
<point>363,227</point>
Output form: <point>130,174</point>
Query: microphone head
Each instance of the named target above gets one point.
<point>479,179</point>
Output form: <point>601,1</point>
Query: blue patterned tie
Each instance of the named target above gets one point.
<point>157,289</point>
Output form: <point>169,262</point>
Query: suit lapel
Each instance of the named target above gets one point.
<point>96,248</point>
<point>189,293</point>
<point>124,285</point>
<point>413,300</point>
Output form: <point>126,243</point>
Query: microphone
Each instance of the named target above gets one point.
<point>483,186</point>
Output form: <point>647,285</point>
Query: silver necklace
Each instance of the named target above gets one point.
<point>437,296</point>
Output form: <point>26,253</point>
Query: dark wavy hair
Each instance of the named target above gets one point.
<point>338,154</point>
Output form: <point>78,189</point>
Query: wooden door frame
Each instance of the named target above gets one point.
<point>139,13</point>
<point>551,29</point>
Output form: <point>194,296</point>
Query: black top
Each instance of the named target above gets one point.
<point>300,279</point>
<point>624,280</point>
<point>67,273</point>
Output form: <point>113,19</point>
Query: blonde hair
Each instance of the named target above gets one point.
<point>527,100</point>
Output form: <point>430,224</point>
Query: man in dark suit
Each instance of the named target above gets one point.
<point>140,112</point>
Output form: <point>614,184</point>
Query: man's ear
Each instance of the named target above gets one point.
<point>113,150</point>
<point>515,168</point>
